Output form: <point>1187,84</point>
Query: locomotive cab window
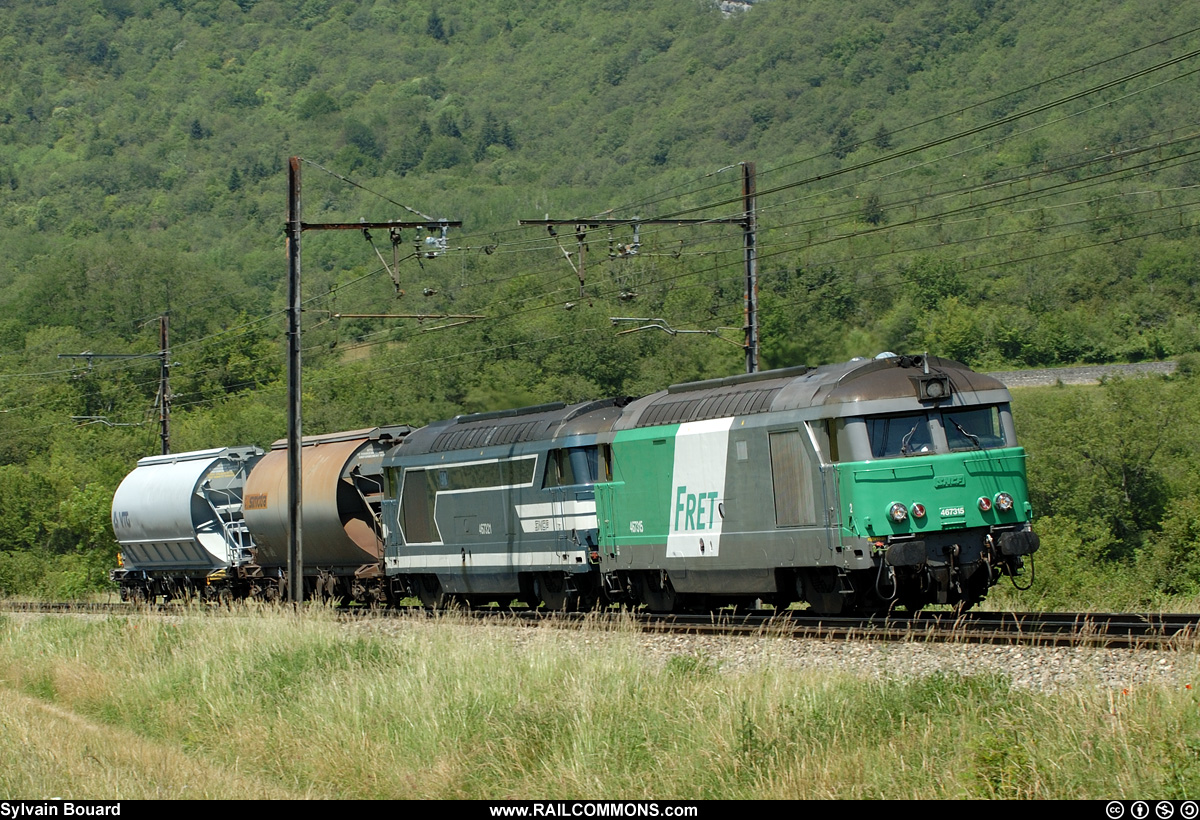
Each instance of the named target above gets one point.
<point>893,436</point>
<point>571,466</point>
<point>975,428</point>
<point>825,432</point>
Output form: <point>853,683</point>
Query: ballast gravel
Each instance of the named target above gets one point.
<point>1041,668</point>
<point>1045,669</point>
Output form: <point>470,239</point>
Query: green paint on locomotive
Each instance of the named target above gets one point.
<point>644,504</point>
<point>948,486</point>
<point>632,509</point>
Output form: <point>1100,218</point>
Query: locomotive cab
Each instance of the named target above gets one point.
<point>937,493</point>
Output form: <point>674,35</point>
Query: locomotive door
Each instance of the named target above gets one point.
<point>558,499</point>
<point>569,483</point>
<point>797,480</point>
<point>823,439</point>
<point>608,518</point>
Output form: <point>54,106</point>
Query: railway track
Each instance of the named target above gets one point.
<point>1109,630</point>
<point>1092,629</point>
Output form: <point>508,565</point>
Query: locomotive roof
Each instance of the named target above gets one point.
<point>856,381</point>
<point>896,377</point>
<point>546,421</point>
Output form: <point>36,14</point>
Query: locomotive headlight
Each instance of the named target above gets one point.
<point>897,512</point>
<point>1004,502</point>
<point>933,388</point>
<point>985,503</point>
<point>918,510</point>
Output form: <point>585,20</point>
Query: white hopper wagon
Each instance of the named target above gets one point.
<point>178,518</point>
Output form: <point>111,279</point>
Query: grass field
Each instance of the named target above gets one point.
<point>283,705</point>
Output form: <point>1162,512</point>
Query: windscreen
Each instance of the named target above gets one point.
<point>976,428</point>
<point>910,434</point>
<point>899,435</point>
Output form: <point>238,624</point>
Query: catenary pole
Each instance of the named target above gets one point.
<point>164,385</point>
<point>750,256</point>
<point>294,227</point>
<point>295,541</point>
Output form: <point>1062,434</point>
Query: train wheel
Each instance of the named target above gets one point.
<point>589,593</point>
<point>974,589</point>
<point>821,590</point>
<point>429,590</point>
<point>551,589</point>
<point>911,604</point>
<point>656,592</point>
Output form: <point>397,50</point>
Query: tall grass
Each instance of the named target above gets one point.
<point>276,704</point>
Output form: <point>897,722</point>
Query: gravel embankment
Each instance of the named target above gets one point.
<point>1088,374</point>
<point>1041,668</point>
<point>1046,669</point>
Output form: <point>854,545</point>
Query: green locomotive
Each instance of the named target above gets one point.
<point>853,487</point>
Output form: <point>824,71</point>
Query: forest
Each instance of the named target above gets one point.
<point>1002,182</point>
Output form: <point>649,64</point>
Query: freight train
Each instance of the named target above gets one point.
<point>854,488</point>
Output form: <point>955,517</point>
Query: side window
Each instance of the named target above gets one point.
<point>571,466</point>
<point>825,431</point>
<point>606,462</point>
<point>553,475</point>
<point>585,464</point>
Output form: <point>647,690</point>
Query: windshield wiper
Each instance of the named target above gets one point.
<point>974,438</point>
<point>907,438</point>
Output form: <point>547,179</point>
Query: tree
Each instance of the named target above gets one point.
<point>882,139</point>
<point>872,210</point>
<point>844,141</point>
<point>435,28</point>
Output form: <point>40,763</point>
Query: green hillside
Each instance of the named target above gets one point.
<point>1006,183</point>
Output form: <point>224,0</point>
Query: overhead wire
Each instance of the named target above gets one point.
<point>1091,67</point>
<point>944,140</point>
<point>982,206</point>
<point>954,113</point>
